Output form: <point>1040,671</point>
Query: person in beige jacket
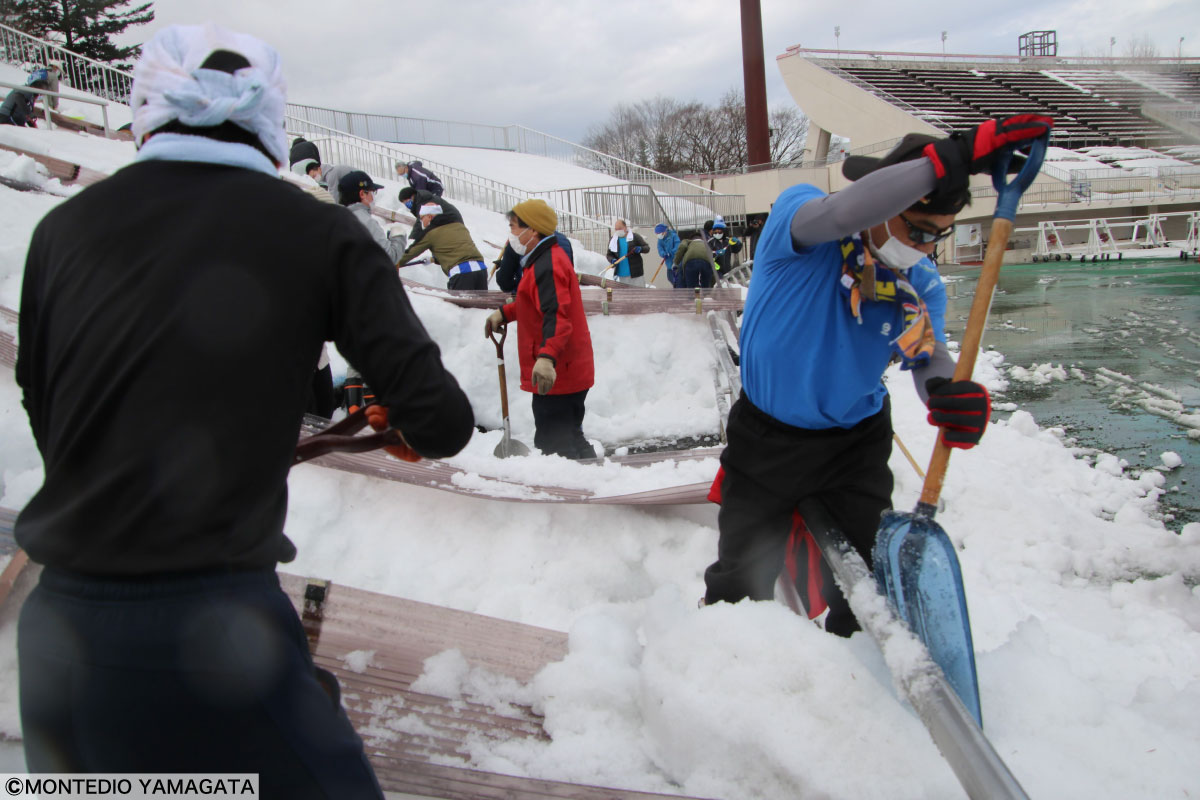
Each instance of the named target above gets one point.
<point>452,247</point>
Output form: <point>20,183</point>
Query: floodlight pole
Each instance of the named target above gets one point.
<point>758,145</point>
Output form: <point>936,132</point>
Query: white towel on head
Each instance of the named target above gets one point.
<point>169,84</point>
<point>430,208</point>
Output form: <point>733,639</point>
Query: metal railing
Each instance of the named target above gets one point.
<point>407,130</point>
<point>518,138</point>
<point>80,72</point>
<point>379,158</point>
<point>76,98</point>
<point>1080,193</point>
<point>877,56</point>
<point>359,135</point>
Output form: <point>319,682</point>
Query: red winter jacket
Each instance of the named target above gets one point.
<point>550,320</point>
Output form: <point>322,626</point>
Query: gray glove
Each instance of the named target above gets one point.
<point>544,375</point>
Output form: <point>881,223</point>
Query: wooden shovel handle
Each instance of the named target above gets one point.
<point>972,338</point>
<point>1008,196</point>
<point>500,368</point>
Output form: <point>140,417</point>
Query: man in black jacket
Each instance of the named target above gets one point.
<point>158,638</point>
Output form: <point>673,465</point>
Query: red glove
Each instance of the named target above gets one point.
<point>961,409</point>
<point>377,418</point>
<point>965,153</point>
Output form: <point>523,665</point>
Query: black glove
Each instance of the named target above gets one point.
<point>960,408</point>
<point>965,153</point>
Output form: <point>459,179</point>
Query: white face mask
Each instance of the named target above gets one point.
<point>718,234</point>
<point>662,235</point>
<point>514,241</point>
<point>622,234</point>
<point>895,253</point>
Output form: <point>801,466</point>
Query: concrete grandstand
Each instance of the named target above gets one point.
<point>1126,142</point>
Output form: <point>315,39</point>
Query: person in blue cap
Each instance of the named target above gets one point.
<point>668,243</point>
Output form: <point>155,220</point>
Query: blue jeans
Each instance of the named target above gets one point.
<point>698,274</point>
<point>205,672</point>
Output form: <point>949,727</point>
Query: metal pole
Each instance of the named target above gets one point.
<point>758,145</point>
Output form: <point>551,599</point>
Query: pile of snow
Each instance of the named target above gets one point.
<point>1084,605</point>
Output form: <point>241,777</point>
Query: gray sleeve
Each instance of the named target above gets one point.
<point>872,199</point>
<point>940,365</point>
<point>393,247</point>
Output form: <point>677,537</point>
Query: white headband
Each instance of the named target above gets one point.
<point>169,84</point>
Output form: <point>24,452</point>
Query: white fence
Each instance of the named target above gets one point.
<point>80,72</point>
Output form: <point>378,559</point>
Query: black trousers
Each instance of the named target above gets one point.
<point>558,420</point>
<point>320,394</point>
<point>769,468</point>
<point>469,280</point>
<point>208,672</point>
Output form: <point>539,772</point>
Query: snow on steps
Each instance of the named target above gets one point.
<point>65,171</point>
<point>401,634</point>
<point>440,475</point>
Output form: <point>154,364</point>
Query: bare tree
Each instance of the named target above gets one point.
<point>676,137</point>
<point>1141,47</point>
<point>789,132</point>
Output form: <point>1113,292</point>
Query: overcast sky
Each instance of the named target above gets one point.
<point>561,66</point>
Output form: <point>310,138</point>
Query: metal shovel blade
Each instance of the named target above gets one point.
<point>509,446</point>
<point>917,568</point>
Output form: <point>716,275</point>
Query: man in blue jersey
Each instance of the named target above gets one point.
<point>842,285</point>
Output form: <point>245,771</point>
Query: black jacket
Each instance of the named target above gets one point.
<point>421,179</point>
<point>634,259</point>
<point>508,266</point>
<point>165,353</point>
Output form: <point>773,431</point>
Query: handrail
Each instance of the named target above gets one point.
<point>116,85</point>
<point>883,55</point>
<point>378,158</point>
<point>518,138</point>
<point>76,98</point>
<point>81,72</point>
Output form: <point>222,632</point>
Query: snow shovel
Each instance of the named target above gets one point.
<point>508,446</point>
<point>916,565</point>
<point>613,267</point>
<point>660,266</point>
<point>341,437</point>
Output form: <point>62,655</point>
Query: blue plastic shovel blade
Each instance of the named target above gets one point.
<point>917,568</point>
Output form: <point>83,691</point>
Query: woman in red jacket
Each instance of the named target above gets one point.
<point>552,332</point>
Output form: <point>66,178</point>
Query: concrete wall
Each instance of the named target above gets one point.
<point>843,108</point>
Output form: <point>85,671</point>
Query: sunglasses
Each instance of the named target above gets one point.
<point>922,236</point>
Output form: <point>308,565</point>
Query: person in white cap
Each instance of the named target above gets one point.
<point>453,248</point>
<point>158,639</point>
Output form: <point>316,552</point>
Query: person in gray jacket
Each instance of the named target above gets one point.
<point>356,191</point>
<point>18,106</point>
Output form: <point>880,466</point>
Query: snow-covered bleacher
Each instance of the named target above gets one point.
<point>1092,106</point>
